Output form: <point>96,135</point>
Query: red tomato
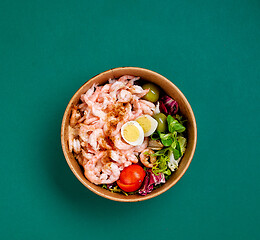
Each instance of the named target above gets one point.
<point>131,178</point>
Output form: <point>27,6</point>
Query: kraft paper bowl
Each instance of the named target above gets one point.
<point>184,109</point>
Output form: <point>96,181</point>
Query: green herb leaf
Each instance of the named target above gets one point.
<point>173,146</point>
<point>177,151</point>
<point>161,165</point>
<point>168,172</point>
<point>183,142</point>
<point>166,139</point>
<point>180,119</point>
<point>155,135</point>
<point>174,125</point>
<point>161,152</point>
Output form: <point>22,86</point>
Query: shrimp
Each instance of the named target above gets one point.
<point>103,143</point>
<point>116,86</point>
<point>138,91</point>
<point>93,138</point>
<point>148,103</point>
<point>106,88</point>
<point>92,172</point>
<point>110,80</point>
<point>131,82</point>
<point>141,147</point>
<point>91,120</point>
<point>75,115</point>
<point>145,156</point>
<point>116,156</point>
<point>127,115</point>
<point>85,129</point>
<point>94,97</point>
<point>110,173</point>
<point>72,134</point>
<point>98,112</point>
<point>124,96</point>
<point>89,92</point>
<point>138,110</point>
<point>147,107</point>
<point>83,106</point>
<point>87,156</point>
<point>131,157</point>
<point>82,119</point>
<point>76,145</point>
<point>125,78</point>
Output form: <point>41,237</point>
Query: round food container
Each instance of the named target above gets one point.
<point>170,89</point>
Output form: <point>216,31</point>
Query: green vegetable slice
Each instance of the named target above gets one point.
<point>166,139</point>
<point>174,125</point>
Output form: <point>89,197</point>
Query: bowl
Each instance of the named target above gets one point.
<point>170,89</point>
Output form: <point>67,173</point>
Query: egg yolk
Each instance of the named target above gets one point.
<point>145,123</point>
<point>131,133</point>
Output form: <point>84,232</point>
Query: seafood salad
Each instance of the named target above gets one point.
<point>127,135</point>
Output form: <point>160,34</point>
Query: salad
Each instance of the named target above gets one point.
<point>127,135</point>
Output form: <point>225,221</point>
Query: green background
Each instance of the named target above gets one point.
<point>209,49</point>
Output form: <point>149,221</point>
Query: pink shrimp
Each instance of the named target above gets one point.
<point>93,138</point>
<point>116,86</point>
<point>94,97</point>
<point>91,172</point>
<point>110,173</point>
<point>131,157</point>
<point>75,116</point>
<point>138,91</point>
<point>106,88</point>
<point>148,103</point>
<point>98,112</point>
<point>147,154</point>
<point>146,109</point>
<point>86,156</point>
<point>124,96</point>
<point>89,92</point>
<point>137,109</point>
<point>90,120</point>
<point>117,157</point>
<point>125,78</point>
<point>131,82</point>
<point>140,148</point>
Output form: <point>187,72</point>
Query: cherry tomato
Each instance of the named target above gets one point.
<point>128,187</point>
<point>131,178</point>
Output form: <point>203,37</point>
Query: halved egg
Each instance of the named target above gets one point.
<point>148,123</point>
<point>132,133</point>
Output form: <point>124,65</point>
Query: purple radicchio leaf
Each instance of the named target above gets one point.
<point>168,106</point>
<point>150,180</point>
<point>146,187</point>
<point>157,179</point>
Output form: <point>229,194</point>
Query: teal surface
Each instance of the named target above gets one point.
<point>209,49</point>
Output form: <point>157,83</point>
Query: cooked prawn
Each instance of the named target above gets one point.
<point>93,138</point>
<point>124,96</point>
<point>110,173</point>
<point>147,155</point>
